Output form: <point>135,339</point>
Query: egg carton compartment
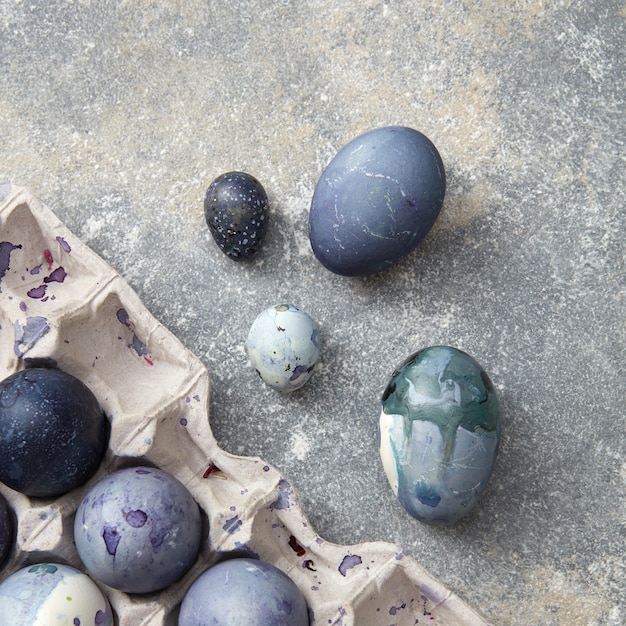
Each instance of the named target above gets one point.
<point>61,304</point>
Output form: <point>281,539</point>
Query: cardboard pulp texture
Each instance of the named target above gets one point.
<point>90,323</point>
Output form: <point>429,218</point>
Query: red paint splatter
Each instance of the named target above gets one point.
<point>295,546</point>
<point>148,361</point>
<point>211,470</point>
<point>49,258</point>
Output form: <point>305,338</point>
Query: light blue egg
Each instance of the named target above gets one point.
<point>284,347</point>
<point>51,594</point>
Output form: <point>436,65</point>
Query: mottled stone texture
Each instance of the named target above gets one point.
<point>119,115</point>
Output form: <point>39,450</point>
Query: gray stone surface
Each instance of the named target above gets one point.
<point>119,115</point>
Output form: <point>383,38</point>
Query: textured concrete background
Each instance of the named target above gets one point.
<point>119,114</point>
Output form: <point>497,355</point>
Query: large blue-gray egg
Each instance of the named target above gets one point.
<point>236,212</point>
<point>243,591</point>
<point>138,530</point>
<point>439,431</point>
<point>376,201</point>
<point>284,346</point>
<point>55,595</point>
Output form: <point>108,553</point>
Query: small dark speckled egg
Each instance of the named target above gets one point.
<point>236,212</point>
<point>376,201</point>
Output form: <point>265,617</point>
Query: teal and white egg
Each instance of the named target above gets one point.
<point>51,594</point>
<point>439,432</point>
<point>284,347</point>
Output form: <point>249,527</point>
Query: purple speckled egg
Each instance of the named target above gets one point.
<point>138,530</point>
<point>244,591</point>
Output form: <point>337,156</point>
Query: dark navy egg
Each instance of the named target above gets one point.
<point>244,591</point>
<point>6,529</point>
<point>438,434</point>
<point>236,212</point>
<point>376,201</point>
<point>53,433</point>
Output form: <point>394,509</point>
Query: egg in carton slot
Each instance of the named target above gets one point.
<point>63,306</point>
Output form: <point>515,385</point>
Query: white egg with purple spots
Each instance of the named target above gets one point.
<point>284,347</point>
<point>51,594</point>
<point>138,530</point>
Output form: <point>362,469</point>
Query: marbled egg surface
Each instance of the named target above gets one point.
<point>138,530</point>
<point>53,433</point>
<point>51,594</point>
<point>236,212</point>
<point>243,591</point>
<point>284,346</point>
<point>439,433</point>
<point>7,534</point>
<point>376,201</point>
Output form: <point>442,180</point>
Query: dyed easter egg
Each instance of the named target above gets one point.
<point>51,594</point>
<point>138,530</point>
<point>284,346</point>
<point>439,432</point>
<point>243,591</point>
<point>6,530</point>
<point>236,212</point>
<point>376,201</point>
<point>53,433</point>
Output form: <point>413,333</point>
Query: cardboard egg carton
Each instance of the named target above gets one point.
<point>90,323</point>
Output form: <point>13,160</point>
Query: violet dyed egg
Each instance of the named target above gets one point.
<point>236,212</point>
<point>376,201</point>
<point>52,594</point>
<point>138,530</point>
<point>243,591</point>
<point>53,433</point>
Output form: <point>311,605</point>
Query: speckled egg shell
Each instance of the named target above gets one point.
<point>236,212</point>
<point>439,433</point>
<point>284,347</point>
<point>138,530</point>
<point>51,594</point>
<point>53,433</point>
<point>376,201</point>
<point>244,591</point>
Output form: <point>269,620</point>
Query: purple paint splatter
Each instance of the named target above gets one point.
<point>101,618</point>
<point>36,269</point>
<point>25,338</point>
<point>57,276</point>
<point>349,561</point>
<point>284,491</point>
<point>183,421</point>
<point>23,306</point>
<point>5,257</point>
<point>137,518</point>
<point>111,539</point>
<point>232,525</point>
<point>136,344</point>
<point>66,246</point>
<point>37,293</point>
